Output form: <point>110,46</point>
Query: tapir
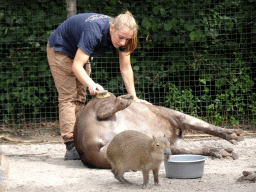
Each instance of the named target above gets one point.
<point>106,115</point>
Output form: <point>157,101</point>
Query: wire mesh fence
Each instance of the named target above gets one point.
<point>195,56</point>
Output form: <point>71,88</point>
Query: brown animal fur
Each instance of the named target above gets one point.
<point>248,176</point>
<point>4,170</point>
<point>133,150</point>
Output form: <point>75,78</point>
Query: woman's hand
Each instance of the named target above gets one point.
<point>137,100</point>
<point>92,89</point>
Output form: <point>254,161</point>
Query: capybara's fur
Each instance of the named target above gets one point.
<point>133,150</point>
<point>4,170</point>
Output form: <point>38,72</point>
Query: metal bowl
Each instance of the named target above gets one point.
<point>185,166</point>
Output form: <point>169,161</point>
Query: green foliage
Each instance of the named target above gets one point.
<point>182,100</point>
<point>196,56</point>
<point>200,45</point>
<point>25,76</point>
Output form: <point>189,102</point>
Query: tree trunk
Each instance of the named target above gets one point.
<point>71,7</point>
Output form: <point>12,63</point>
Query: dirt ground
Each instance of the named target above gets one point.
<point>39,167</point>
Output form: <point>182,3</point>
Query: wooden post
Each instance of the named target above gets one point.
<point>71,7</point>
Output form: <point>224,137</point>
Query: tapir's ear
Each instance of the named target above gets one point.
<point>165,136</point>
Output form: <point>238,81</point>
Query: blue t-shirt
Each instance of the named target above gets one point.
<point>87,31</point>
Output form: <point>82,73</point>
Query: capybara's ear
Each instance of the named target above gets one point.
<point>154,138</point>
<point>165,136</point>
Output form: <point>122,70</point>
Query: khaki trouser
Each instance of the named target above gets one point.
<point>71,93</point>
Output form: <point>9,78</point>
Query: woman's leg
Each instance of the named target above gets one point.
<point>81,91</point>
<point>70,90</point>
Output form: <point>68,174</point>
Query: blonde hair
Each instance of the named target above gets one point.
<point>127,20</point>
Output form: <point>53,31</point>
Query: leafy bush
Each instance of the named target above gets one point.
<point>206,47</point>
<point>25,76</point>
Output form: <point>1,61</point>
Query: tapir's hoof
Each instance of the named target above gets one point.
<point>108,108</point>
<point>123,101</point>
<point>128,97</point>
<point>234,135</point>
<point>222,153</point>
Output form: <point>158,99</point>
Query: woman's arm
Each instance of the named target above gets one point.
<point>127,75</point>
<point>127,72</point>
<point>78,69</point>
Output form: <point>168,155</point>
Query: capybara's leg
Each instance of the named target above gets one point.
<point>113,170</point>
<point>182,147</point>
<point>145,178</point>
<point>119,175</point>
<point>155,173</point>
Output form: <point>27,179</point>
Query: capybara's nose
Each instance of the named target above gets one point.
<point>167,153</point>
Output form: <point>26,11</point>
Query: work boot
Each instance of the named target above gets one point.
<point>71,153</point>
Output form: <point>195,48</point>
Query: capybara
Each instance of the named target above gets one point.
<point>132,150</point>
<point>4,170</point>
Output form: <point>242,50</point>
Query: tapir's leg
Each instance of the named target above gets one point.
<point>183,121</point>
<point>193,123</point>
<point>182,147</point>
<point>94,156</point>
<point>108,108</point>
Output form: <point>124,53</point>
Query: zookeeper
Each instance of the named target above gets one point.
<point>69,49</point>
